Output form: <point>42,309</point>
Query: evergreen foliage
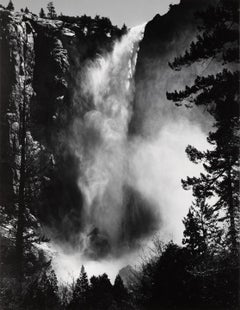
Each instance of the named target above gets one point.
<point>218,37</point>
<point>10,6</point>
<point>178,279</point>
<point>124,29</point>
<point>42,292</point>
<point>99,28</point>
<point>51,10</point>
<point>42,13</point>
<point>219,93</point>
<point>121,295</point>
<point>202,234</point>
<point>100,292</point>
<point>80,296</point>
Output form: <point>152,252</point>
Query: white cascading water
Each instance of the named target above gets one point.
<point>108,83</point>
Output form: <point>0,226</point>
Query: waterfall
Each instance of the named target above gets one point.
<point>102,138</point>
<point>130,185</point>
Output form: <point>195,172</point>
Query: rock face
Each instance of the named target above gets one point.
<point>34,68</point>
<point>17,59</point>
<point>40,60</point>
<point>128,275</point>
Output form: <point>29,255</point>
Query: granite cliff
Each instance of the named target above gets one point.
<point>40,61</point>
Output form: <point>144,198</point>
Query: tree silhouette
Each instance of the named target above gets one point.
<point>42,292</point>
<point>51,10</point>
<point>42,13</point>
<point>82,286</point>
<point>10,6</point>
<point>124,29</point>
<point>164,276</point>
<point>101,293</point>
<point>121,296</point>
<point>81,291</point>
<point>216,191</point>
<point>202,233</point>
<point>221,179</point>
<point>219,94</point>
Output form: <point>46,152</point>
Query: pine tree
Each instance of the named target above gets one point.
<point>42,291</point>
<point>221,179</point>
<point>124,29</point>
<point>26,10</point>
<point>51,10</point>
<point>217,38</point>
<point>10,6</point>
<point>202,234</point>
<point>101,292</point>
<point>81,291</point>
<point>220,95</point>
<point>105,25</point>
<point>42,13</point>
<point>120,294</point>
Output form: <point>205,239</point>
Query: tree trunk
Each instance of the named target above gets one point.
<point>231,211</point>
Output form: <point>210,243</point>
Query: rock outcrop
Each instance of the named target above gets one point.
<point>17,60</point>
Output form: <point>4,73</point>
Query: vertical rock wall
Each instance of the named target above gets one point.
<point>16,77</point>
<point>40,61</point>
<point>33,69</point>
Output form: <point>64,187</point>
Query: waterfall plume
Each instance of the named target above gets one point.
<point>101,144</point>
